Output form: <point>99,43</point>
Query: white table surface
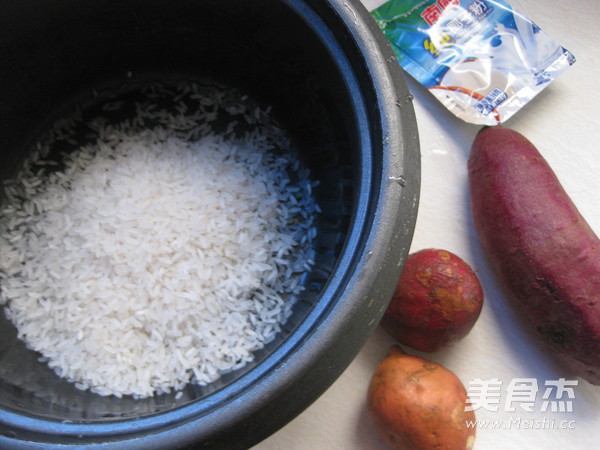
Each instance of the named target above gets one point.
<point>563,123</point>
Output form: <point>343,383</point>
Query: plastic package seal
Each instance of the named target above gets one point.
<point>483,60</point>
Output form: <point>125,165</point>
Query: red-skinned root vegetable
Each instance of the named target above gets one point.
<point>419,404</point>
<point>437,301</point>
<point>539,244</point>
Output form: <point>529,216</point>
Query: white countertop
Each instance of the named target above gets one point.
<point>563,123</point>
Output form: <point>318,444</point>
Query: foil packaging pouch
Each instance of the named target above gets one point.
<point>480,58</point>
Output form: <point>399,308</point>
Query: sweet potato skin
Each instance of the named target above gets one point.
<point>418,404</point>
<point>539,244</point>
<point>437,301</point>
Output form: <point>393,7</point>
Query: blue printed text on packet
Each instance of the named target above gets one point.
<point>480,58</point>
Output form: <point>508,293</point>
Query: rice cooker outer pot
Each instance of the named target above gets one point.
<point>308,362</point>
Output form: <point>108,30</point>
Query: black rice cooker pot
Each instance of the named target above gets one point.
<point>334,84</point>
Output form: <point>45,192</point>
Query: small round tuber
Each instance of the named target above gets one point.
<point>436,303</point>
<point>419,405</point>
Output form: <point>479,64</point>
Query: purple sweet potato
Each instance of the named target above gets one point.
<point>539,244</point>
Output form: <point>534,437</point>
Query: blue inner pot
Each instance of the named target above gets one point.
<point>333,83</point>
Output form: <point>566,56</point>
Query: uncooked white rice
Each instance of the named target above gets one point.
<point>155,257</point>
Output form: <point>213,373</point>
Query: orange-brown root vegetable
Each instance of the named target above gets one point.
<point>418,404</point>
<point>542,248</point>
<point>436,303</point>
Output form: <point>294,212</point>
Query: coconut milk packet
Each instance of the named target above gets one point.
<point>480,58</point>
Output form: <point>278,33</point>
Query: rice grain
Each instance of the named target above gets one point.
<point>155,257</point>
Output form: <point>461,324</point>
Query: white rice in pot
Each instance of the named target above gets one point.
<point>157,256</point>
